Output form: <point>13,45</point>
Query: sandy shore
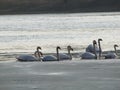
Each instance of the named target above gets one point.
<point>64,75</point>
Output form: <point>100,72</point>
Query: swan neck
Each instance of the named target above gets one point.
<point>58,57</point>
<point>69,53</point>
<point>100,50</point>
<point>38,54</point>
<point>115,50</point>
<point>95,51</point>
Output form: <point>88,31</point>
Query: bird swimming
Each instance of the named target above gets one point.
<point>67,56</point>
<point>112,55</point>
<point>89,55</point>
<point>28,57</point>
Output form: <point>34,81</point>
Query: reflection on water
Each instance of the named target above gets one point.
<point>22,33</point>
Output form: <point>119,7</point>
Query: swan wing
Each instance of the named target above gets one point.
<point>90,49</point>
<point>64,56</point>
<point>110,56</point>
<point>87,55</point>
<point>49,58</point>
<point>26,58</point>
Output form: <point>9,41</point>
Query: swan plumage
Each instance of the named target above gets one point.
<point>64,56</point>
<point>112,55</point>
<point>52,57</point>
<point>68,56</point>
<point>90,48</point>
<point>28,57</point>
<point>89,55</point>
<point>49,58</point>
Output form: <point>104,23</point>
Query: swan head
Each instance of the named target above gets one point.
<point>39,48</point>
<point>115,49</point>
<point>115,45</point>
<point>58,47</point>
<point>100,39</point>
<point>94,42</point>
<point>69,48</point>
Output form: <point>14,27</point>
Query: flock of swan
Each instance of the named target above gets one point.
<point>93,51</point>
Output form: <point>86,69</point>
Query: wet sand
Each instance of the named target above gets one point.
<point>63,75</point>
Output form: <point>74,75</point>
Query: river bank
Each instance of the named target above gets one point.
<point>57,6</point>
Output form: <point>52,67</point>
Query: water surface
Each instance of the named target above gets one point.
<point>23,33</point>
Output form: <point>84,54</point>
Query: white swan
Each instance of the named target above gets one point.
<point>51,57</point>
<point>112,55</point>
<point>28,57</point>
<point>98,48</point>
<point>66,56</point>
<point>89,55</point>
<point>38,54</point>
<point>90,48</point>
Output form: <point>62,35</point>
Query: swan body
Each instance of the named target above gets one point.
<point>64,56</point>
<point>112,55</point>
<point>88,55</point>
<point>38,56</point>
<point>58,56</point>
<point>68,56</point>
<point>97,48</point>
<point>27,58</point>
<point>90,48</point>
<point>52,57</point>
<point>49,58</point>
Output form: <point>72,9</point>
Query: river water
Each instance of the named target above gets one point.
<point>23,33</point>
